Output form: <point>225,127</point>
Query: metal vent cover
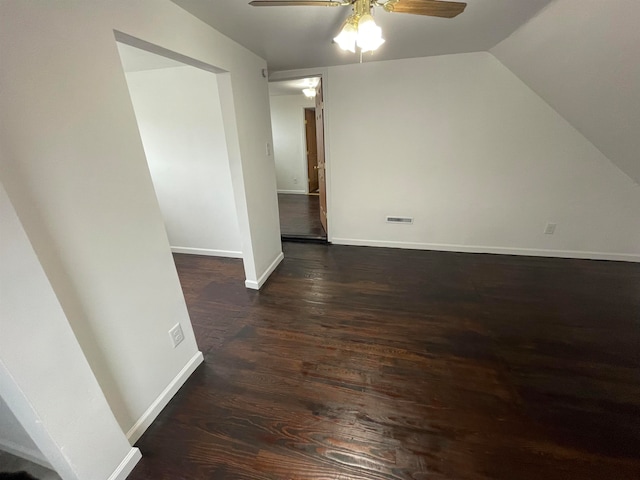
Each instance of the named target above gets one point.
<point>404,220</point>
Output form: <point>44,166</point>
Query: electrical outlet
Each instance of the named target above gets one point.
<point>295,180</point>
<point>176,335</point>
<point>550,229</point>
<point>268,149</point>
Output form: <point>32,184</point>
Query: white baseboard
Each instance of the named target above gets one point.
<point>127,465</point>
<point>147,418</point>
<point>263,278</point>
<point>533,252</point>
<point>297,192</point>
<point>34,456</point>
<point>207,251</point>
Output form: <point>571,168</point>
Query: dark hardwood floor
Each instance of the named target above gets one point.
<point>360,363</point>
<point>300,217</point>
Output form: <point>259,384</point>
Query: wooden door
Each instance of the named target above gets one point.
<point>312,150</point>
<point>322,183</point>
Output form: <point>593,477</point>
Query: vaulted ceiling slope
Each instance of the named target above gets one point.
<point>583,58</point>
<point>292,38</point>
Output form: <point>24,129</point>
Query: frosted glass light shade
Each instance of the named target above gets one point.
<point>369,36</point>
<point>346,39</point>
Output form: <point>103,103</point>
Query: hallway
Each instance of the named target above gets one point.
<point>300,217</point>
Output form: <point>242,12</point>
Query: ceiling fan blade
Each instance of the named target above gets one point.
<point>432,8</point>
<point>295,3</point>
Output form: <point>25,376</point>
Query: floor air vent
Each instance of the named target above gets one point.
<point>405,220</point>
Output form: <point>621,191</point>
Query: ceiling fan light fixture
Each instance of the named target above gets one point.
<point>346,39</point>
<point>369,36</point>
<point>309,92</point>
<point>360,30</point>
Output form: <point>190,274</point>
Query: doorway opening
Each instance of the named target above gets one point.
<point>298,145</point>
<point>180,120</point>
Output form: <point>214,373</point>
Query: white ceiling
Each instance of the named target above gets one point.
<point>583,58</point>
<point>301,37</point>
<point>290,87</point>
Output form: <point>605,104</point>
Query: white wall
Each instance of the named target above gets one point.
<point>75,171</point>
<point>180,120</point>
<point>289,141</point>
<point>583,58</point>
<point>45,380</point>
<point>478,159</point>
<point>15,439</point>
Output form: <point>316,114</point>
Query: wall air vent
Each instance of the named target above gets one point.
<point>403,220</point>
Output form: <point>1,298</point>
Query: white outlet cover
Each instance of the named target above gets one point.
<point>550,229</point>
<point>176,334</point>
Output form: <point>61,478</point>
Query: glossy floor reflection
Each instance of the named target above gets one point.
<point>300,217</point>
<point>369,364</point>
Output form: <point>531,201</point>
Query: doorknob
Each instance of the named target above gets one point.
<point>315,167</point>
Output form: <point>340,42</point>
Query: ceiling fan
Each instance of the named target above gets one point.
<point>432,8</point>
<point>359,29</point>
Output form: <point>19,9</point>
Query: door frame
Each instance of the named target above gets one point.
<point>323,74</point>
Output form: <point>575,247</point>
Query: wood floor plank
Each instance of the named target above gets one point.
<point>300,217</point>
<point>360,363</point>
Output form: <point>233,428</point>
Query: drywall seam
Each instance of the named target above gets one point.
<point>150,414</point>
<point>263,278</point>
<point>533,252</point>
<point>127,465</point>
<point>207,251</point>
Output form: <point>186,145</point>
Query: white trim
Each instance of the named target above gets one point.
<point>207,251</point>
<point>147,418</point>
<point>34,456</point>
<point>263,278</point>
<point>126,466</point>
<point>534,252</point>
<point>297,192</point>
